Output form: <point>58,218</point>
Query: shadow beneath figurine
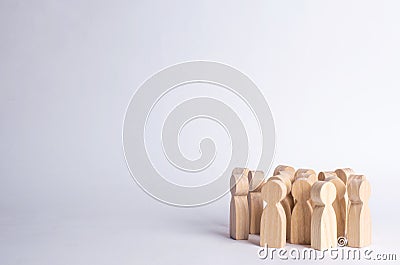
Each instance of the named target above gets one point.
<point>254,239</point>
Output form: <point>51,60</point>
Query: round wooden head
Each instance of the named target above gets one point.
<point>273,191</point>
<point>323,193</point>
<point>289,171</point>
<point>365,190</point>
<point>344,174</point>
<point>285,179</point>
<point>239,183</point>
<point>354,176</point>
<point>326,174</point>
<point>359,190</point>
<point>304,170</point>
<point>301,189</point>
<point>256,180</point>
<point>240,171</point>
<point>339,185</point>
<point>310,175</point>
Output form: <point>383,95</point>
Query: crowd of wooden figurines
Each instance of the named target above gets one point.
<point>301,207</point>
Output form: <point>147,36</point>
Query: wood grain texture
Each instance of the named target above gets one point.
<point>339,205</point>
<point>356,176</point>
<point>323,219</point>
<point>287,180</point>
<point>301,172</point>
<point>287,202</point>
<point>290,171</point>
<point>310,175</point>
<point>273,219</point>
<point>239,208</point>
<point>239,182</point>
<point>256,180</point>
<point>344,174</point>
<point>351,177</point>
<point>302,211</point>
<point>326,174</point>
<point>359,227</point>
<point>239,218</point>
<point>255,211</point>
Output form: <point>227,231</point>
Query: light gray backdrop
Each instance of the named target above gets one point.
<point>329,71</point>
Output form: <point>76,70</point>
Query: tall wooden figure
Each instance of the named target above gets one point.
<point>339,204</point>
<point>323,219</point>
<point>359,221</point>
<point>256,180</point>
<point>302,211</point>
<point>344,174</point>
<point>273,219</point>
<point>239,210</point>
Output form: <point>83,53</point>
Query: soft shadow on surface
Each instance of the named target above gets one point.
<point>254,239</point>
<point>221,233</point>
<point>218,228</point>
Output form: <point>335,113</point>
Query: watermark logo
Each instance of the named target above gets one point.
<point>342,241</point>
<point>152,91</point>
<point>305,253</point>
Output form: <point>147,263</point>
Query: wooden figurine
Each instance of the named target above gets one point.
<point>273,219</point>
<point>302,211</point>
<point>359,219</point>
<point>310,175</point>
<point>301,172</point>
<point>344,174</point>
<point>287,202</point>
<point>352,176</point>
<point>256,180</point>
<point>355,176</point>
<point>287,169</point>
<point>325,174</point>
<point>323,219</point>
<point>339,205</point>
<point>239,208</point>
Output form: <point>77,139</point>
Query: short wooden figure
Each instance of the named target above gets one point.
<point>273,219</point>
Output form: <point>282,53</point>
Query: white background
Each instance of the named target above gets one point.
<point>328,69</point>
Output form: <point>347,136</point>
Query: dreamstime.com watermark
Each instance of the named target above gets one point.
<point>266,253</point>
